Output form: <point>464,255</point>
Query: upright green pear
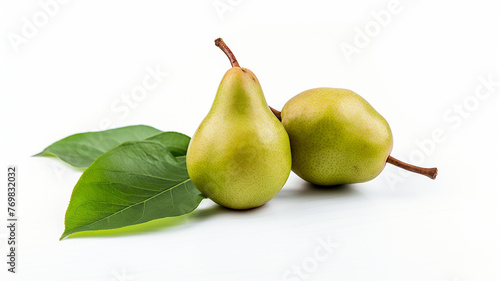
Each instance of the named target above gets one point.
<point>337,137</point>
<point>240,154</point>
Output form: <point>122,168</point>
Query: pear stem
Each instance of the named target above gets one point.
<point>220,43</point>
<point>429,172</point>
<point>276,112</point>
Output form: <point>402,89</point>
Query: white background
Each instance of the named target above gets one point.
<point>72,73</point>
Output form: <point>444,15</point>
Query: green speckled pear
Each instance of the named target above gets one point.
<point>240,154</point>
<point>337,137</point>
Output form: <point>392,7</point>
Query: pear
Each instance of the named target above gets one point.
<point>240,154</point>
<point>337,137</point>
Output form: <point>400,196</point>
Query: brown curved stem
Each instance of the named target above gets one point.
<point>429,172</point>
<point>277,113</point>
<point>220,43</point>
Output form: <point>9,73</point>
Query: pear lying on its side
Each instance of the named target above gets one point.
<point>240,154</point>
<point>337,137</point>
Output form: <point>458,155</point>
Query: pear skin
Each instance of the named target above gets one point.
<point>240,154</point>
<point>336,137</point>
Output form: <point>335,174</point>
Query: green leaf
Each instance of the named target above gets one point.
<point>80,150</point>
<point>133,183</point>
<point>177,143</point>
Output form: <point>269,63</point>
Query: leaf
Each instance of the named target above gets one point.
<point>80,150</point>
<point>177,143</point>
<point>133,183</point>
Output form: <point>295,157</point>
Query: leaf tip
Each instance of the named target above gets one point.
<point>38,154</point>
<point>65,234</point>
